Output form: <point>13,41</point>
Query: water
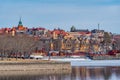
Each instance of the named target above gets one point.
<point>96,63</point>
<point>78,73</point>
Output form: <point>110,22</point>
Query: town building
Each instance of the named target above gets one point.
<point>20,29</point>
<point>73,41</point>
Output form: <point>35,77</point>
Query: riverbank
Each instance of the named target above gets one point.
<point>34,65</point>
<point>34,72</point>
<point>106,57</point>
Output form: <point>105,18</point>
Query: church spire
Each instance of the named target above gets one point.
<point>20,23</point>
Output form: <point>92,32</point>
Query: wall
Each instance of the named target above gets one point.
<point>29,66</point>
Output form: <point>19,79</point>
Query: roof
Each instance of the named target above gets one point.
<point>35,29</point>
<point>81,30</point>
<point>59,32</point>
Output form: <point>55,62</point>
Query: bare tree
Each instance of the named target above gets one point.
<point>4,45</point>
<point>17,45</point>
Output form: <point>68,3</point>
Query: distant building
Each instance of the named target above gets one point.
<point>58,33</point>
<point>20,28</point>
<point>40,32</point>
<point>98,33</point>
<point>73,29</point>
<point>72,45</point>
<point>116,41</point>
<point>80,32</point>
<point>76,40</point>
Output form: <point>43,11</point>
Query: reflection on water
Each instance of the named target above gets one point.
<point>78,73</point>
<point>96,73</point>
<point>37,77</point>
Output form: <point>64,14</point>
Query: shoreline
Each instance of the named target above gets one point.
<point>34,65</point>
<point>34,72</point>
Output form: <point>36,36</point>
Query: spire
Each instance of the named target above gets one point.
<point>20,22</point>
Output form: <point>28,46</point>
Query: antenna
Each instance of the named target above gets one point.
<point>20,18</point>
<point>98,26</point>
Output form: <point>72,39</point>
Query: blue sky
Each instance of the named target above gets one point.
<point>83,14</point>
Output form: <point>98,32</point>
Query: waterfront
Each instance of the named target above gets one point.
<point>78,73</point>
<point>34,65</point>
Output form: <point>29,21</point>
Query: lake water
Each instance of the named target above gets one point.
<point>78,73</point>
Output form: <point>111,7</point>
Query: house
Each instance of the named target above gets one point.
<point>37,31</point>
<point>58,33</point>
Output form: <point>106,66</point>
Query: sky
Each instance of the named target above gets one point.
<point>50,14</point>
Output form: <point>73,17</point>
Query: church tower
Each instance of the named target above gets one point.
<point>20,25</point>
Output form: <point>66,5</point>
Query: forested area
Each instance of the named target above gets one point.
<point>16,46</point>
